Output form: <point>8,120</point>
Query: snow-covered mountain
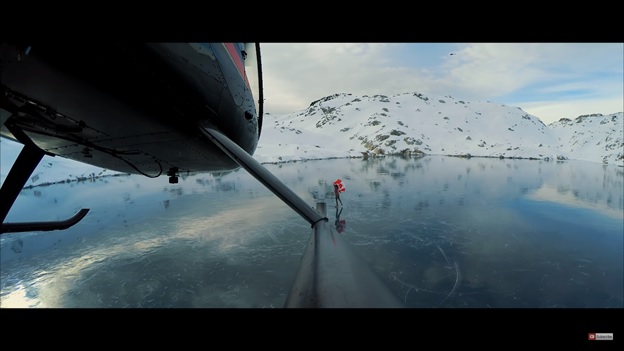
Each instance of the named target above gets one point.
<point>344,125</point>
<point>596,137</point>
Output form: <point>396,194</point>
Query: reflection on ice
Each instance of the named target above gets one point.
<point>571,198</point>
<point>440,232</point>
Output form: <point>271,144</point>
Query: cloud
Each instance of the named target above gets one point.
<point>297,74</point>
<point>551,111</point>
<point>573,76</point>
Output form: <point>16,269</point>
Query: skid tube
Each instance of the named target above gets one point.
<point>22,169</point>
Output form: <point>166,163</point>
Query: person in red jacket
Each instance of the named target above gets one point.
<point>337,194</point>
<point>338,188</point>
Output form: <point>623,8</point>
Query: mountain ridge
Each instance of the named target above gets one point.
<point>345,125</point>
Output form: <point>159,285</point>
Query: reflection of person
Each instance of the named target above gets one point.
<point>340,223</point>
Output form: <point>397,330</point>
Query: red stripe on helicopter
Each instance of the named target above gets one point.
<point>237,58</point>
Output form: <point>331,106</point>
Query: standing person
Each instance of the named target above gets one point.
<point>337,194</point>
<point>338,188</point>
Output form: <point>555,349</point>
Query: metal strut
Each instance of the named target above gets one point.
<point>330,273</point>
<point>262,174</point>
<point>26,162</point>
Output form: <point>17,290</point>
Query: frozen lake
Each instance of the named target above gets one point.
<point>441,232</point>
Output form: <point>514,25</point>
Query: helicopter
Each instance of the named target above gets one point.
<point>156,109</point>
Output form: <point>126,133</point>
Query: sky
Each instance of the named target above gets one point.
<point>548,80</point>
